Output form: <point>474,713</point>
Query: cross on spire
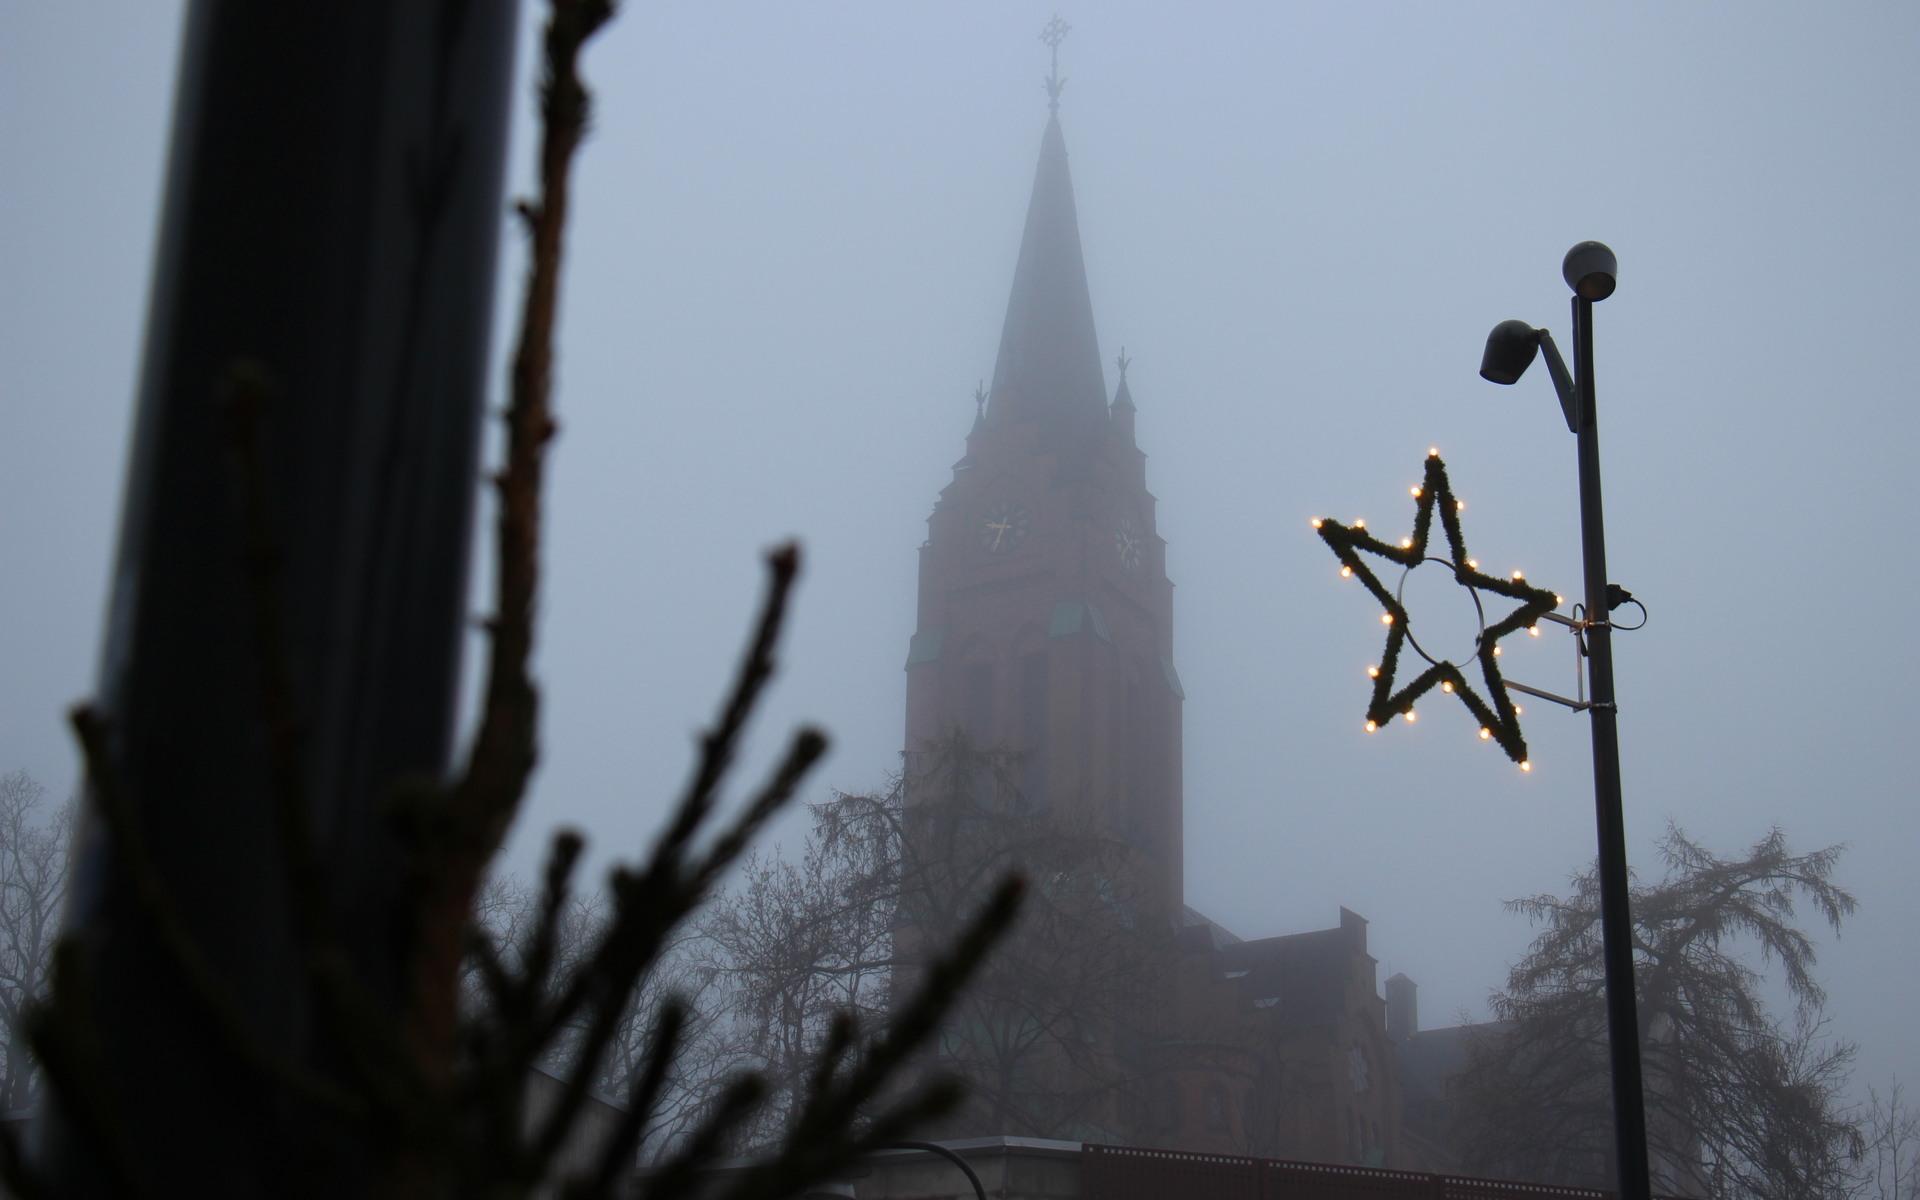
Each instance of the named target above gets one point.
<point>1123,362</point>
<point>1055,33</point>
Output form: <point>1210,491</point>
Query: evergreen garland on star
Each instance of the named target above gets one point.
<point>1498,720</point>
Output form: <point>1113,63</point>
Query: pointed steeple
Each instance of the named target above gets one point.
<point>1049,365</point>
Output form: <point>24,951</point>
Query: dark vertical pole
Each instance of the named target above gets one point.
<point>331,218</point>
<point>1623,1025</point>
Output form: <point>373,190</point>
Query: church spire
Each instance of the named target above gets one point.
<point>1049,369</point>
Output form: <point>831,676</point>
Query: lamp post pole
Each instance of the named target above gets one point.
<point>1590,270</point>
<point>1616,921</point>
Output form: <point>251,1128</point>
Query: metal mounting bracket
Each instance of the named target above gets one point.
<point>1575,705</point>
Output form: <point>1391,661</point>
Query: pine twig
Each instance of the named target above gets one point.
<point>756,669</point>
<point>649,910</point>
<point>734,1106</point>
<point>504,749</point>
<point>651,902</point>
<point>644,917</point>
<point>819,1140</point>
<point>469,819</point>
<point>618,1153</point>
<point>562,858</point>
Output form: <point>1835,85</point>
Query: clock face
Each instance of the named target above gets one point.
<point>1003,527</point>
<point>1127,543</point>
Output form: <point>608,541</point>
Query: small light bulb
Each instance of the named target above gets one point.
<point>1345,572</point>
<point>1533,631</point>
<point>1518,576</point>
<point>1373,672</point>
<point>1415,490</point>
<point>1485,733</point>
<point>1526,766</point>
<point>1406,543</point>
<point>1558,599</point>
<point>1411,715</point>
<point>1371,727</point>
<point>1459,506</point>
<point>1473,564</point>
<point>1386,618</point>
<point>1446,685</point>
<point>1518,711</point>
<point>1317,522</point>
<point>1359,522</point>
<point>1496,652</point>
<point>1433,452</point>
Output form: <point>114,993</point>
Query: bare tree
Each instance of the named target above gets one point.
<point>1738,1102</point>
<point>1049,1034</point>
<point>1889,1165</point>
<point>33,882</point>
<point>793,945</point>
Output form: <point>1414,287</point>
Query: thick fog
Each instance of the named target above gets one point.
<point>794,237</point>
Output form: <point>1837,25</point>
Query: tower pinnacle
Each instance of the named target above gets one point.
<point>1055,33</point>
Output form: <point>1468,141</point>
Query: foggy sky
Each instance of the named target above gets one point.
<point>794,235</point>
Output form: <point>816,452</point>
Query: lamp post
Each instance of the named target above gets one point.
<point>840,1187</point>
<point>1590,270</point>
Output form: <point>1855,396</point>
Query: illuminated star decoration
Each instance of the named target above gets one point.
<point>1498,719</point>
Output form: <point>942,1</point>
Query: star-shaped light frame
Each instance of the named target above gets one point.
<point>1496,715</point>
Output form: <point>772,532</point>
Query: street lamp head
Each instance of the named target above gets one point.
<point>1510,350</point>
<point>1590,270</point>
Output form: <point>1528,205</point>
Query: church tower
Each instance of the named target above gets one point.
<point>1045,620</point>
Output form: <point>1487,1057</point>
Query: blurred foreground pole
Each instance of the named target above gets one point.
<point>332,213</point>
